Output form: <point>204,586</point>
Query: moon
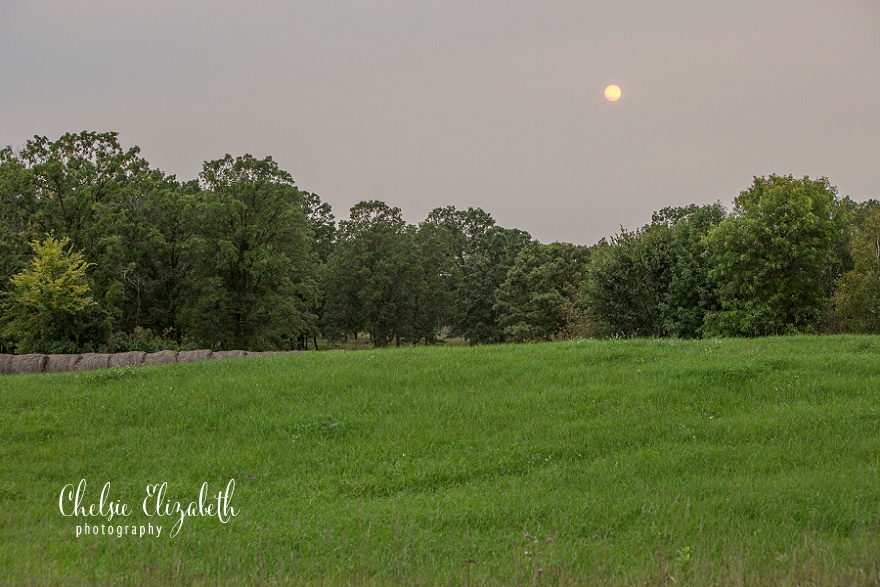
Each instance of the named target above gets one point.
<point>612,93</point>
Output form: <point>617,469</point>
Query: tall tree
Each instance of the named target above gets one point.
<point>255,286</point>
<point>375,278</point>
<point>538,296</point>
<point>773,258</point>
<point>156,260</point>
<point>627,281</point>
<point>690,292</point>
<point>857,299</point>
<point>486,260</point>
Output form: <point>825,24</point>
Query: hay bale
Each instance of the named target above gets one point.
<point>61,363</point>
<point>160,358</point>
<point>5,364</point>
<point>229,354</point>
<point>128,359</point>
<point>193,356</point>
<point>90,361</point>
<point>27,364</point>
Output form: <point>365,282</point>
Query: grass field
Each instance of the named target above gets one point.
<point>730,462</point>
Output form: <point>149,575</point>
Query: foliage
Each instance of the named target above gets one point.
<point>374,277</point>
<point>857,300</point>
<point>654,281</point>
<point>627,282</point>
<point>242,258</point>
<point>773,259</point>
<point>488,257</point>
<point>50,304</point>
<point>253,284</point>
<point>690,292</point>
<point>537,298</point>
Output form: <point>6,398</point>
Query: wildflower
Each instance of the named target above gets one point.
<point>549,539</point>
<point>526,536</point>
<point>540,570</point>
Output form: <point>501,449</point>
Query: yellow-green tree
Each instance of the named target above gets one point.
<point>49,305</point>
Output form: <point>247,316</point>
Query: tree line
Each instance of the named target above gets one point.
<point>101,252</point>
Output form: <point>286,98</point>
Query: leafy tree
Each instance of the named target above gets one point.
<point>773,259</point>
<point>488,256</point>
<point>375,278</point>
<point>857,300</point>
<point>628,280</point>
<point>448,239</point>
<point>690,292</point>
<point>254,284</point>
<point>76,186</point>
<point>537,298</point>
<point>322,223</point>
<point>156,260</point>
<point>50,307</point>
<point>14,218</point>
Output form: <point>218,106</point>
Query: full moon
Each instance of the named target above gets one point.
<point>612,93</point>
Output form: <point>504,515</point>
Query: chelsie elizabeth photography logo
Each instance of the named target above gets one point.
<point>73,503</point>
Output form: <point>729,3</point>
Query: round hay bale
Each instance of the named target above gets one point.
<point>90,361</point>
<point>229,354</point>
<point>5,364</point>
<point>128,359</point>
<point>160,358</point>
<point>61,363</point>
<point>193,356</point>
<point>27,364</point>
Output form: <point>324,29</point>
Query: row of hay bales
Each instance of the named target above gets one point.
<point>17,364</point>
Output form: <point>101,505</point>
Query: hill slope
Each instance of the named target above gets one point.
<point>623,461</point>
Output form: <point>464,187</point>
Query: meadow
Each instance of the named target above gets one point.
<point>637,462</point>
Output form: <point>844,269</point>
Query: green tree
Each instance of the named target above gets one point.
<point>690,292</point>
<point>627,281</point>
<point>488,256</point>
<point>14,219</point>
<point>538,296</point>
<point>156,261</point>
<point>447,239</point>
<point>773,259</point>
<point>375,277</point>
<point>857,299</point>
<point>50,306</point>
<point>77,187</point>
<point>254,281</point>
<point>322,223</point>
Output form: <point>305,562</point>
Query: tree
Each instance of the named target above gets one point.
<point>156,260</point>
<point>14,218</point>
<point>49,307</point>
<point>322,223</point>
<point>627,282</point>
<point>375,277</point>
<point>857,300</point>
<point>537,298</point>
<point>690,292</point>
<point>254,284</point>
<point>77,186</point>
<point>488,256</point>
<point>773,259</point>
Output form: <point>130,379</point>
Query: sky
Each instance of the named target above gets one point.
<point>489,104</point>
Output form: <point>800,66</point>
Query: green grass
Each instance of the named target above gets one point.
<point>753,462</point>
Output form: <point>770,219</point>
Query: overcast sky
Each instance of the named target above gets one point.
<point>490,104</point>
